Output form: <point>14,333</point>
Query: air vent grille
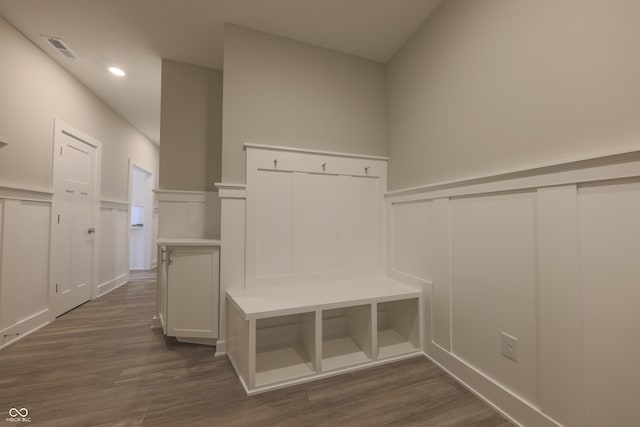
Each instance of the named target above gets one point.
<point>61,47</point>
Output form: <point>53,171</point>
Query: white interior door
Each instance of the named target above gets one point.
<point>73,229</point>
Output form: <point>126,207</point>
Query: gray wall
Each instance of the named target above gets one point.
<point>34,90</point>
<point>191,127</point>
<point>490,85</point>
<point>287,93</point>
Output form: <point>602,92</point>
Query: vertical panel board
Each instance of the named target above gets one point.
<point>315,223</point>
<point>441,277</point>
<point>412,239</point>
<point>273,223</point>
<point>25,260</point>
<point>7,316</point>
<point>196,221</point>
<point>493,286</point>
<point>359,213</point>
<point>172,219</point>
<point>609,221</point>
<point>107,251</point>
<point>121,224</point>
<point>559,304</point>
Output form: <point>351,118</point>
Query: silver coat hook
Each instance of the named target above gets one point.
<point>275,163</point>
<point>324,167</point>
<point>366,170</point>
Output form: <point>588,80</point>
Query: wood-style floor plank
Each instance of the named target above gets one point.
<point>102,365</point>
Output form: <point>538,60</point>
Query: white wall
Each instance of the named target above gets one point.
<point>191,127</point>
<point>35,90</point>
<point>282,92</point>
<point>548,257</point>
<point>490,85</point>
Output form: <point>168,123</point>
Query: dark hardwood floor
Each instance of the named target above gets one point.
<point>102,365</point>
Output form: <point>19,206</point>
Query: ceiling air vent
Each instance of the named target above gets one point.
<point>61,47</point>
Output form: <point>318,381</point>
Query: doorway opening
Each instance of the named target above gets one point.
<point>141,219</point>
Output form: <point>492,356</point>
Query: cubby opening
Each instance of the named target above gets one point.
<point>398,328</point>
<point>285,348</point>
<point>346,337</point>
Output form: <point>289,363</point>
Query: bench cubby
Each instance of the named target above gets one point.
<point>346,337</point>
<point>285,348</point>
<point>280,336</point>
<point>398,328</point>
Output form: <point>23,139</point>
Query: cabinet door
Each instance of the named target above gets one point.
<point>193,277</point>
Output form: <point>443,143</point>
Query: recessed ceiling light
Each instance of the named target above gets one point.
<point>117,71</point>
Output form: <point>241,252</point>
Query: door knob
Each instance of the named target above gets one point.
<point>91,230</point>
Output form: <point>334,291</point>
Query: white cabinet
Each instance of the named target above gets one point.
<point>188,289</point>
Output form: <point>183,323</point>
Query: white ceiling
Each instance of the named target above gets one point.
<point>136,34</point>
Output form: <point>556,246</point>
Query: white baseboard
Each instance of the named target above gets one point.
<point>109,286</point>
<point>221,348</point>
<point>508,404</point>
<point>24,328</point>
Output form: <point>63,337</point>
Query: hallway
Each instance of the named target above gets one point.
<point>102,365</point>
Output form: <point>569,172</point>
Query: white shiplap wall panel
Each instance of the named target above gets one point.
<point>609,218</point>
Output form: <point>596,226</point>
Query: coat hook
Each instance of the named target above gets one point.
<point>324,167</point>
<point>275,163</point>
<point>366,170</point>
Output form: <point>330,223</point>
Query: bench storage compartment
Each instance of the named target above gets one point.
<point>286,335</point>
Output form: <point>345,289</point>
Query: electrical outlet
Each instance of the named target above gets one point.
<point>509,346</point>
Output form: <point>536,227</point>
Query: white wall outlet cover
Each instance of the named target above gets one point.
<point>509,346</point>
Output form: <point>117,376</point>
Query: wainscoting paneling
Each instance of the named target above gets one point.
<point>560,362</point>
<point>107,260</point>
<point>113,250</point>
<point>609,218</point>
<point>121,223</point>
<point>24,279</point>
<point>188,214</point>
<point>493,286</point>
<point>548,255</point>
<point>441,282</point>
<point>173,219</point>
<point>412,239</point>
